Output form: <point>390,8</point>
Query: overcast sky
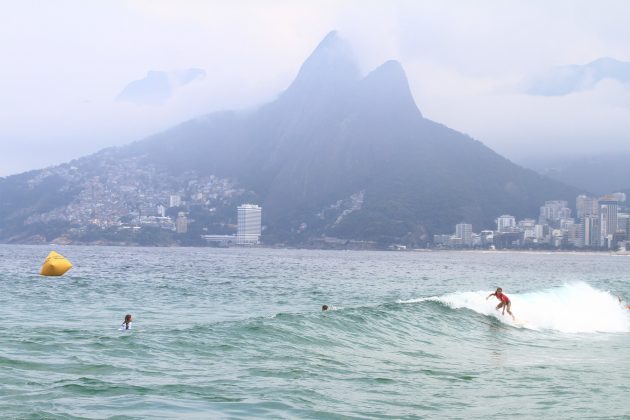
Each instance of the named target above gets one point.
<point>64,63</point>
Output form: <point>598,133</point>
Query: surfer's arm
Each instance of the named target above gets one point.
<point>491,294</point>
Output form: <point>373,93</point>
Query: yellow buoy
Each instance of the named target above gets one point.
<point>55,265</point>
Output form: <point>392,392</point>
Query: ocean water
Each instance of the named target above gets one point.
<point>239,333</point>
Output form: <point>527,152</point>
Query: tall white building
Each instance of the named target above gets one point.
<point>528,228</point>
<point>506,223</point>
<point>249,224</point>
<point>553,211</point>
<point>181,223</point>
<point>174,201</point>
<point>539,233</point>
<point>590,226</point>
<point>623,223</point>
<point>464,231</point>
<point>586,206</point>
<point>608,207</point>
<point>572,232</point>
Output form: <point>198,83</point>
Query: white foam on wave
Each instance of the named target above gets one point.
<point>572,308</point>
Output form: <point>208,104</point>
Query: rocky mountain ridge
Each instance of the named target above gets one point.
<point>335,155</point>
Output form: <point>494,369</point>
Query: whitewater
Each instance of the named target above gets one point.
<point>239,333</point>
<point>570,308</point>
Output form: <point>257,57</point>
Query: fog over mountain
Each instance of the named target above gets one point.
<point>564,80</point>
<point>336,154</point>
<point>158,86</point>
<point>598,174</point>
<point>64,66</point>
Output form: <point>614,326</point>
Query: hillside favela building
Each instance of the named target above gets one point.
<point>599,223</point>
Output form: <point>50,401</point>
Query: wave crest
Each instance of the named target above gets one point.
<point>571,308</point>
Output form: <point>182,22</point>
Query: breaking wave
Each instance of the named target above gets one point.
<point>571,308</point>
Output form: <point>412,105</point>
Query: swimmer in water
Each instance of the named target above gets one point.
<point>504,301</point>
<point>324,307</point>
<point>126,325</point>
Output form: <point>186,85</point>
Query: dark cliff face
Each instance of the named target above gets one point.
<point>351,156</point>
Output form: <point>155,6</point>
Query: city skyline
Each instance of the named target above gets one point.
<point>599,224</point>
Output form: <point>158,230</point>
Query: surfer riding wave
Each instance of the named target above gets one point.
<point>504,302</point>
<point>575,307</point>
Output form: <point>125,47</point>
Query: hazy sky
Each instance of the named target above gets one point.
<point>64,63</point>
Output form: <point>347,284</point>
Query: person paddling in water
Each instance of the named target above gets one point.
<point>126,325</point>
<point>504,302</point>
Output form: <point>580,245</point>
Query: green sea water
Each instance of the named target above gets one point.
<point>239,333</point>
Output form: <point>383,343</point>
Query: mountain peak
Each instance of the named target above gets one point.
<point>330,38</point>
<point>329,68</point>
<point>391,71</point>
<point>333,50</point>
<point>388,88</point>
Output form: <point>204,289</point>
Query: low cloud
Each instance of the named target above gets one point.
<point>64,67</point>
<point>158,86</point>
<point>564,80</point>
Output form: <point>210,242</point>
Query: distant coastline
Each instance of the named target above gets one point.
<point>602,252</point>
